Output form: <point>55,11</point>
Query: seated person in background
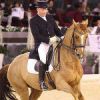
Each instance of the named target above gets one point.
<point>17,15</point>
<point>96,11</point>
<point>96,28</point>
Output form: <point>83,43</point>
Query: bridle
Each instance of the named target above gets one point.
<point>74,47</point>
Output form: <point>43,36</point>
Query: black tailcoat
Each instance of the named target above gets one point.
<point>42,30</point>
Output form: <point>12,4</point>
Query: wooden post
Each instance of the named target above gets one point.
<point>1,59</point>
<point>30,39</point>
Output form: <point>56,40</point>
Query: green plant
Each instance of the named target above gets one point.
<point>91,60</point>
<point>3,49</point>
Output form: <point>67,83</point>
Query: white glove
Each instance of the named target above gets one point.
<point>53,39</point>
<point>62,37</point>
<point>59,39</point>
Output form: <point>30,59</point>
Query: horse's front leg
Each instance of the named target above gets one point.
<point>64,86</point>
<point>35,94</point>
<point>80,96</point>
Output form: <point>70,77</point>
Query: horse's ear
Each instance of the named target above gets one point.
<point>85,22</point>
<point>74,22</point>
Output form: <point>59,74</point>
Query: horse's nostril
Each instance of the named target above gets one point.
<point>78,54</point>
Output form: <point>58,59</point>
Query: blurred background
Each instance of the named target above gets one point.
<point>16,37</point>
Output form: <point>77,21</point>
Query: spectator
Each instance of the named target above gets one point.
<point>17,15</point>
<point>78,12</point>
<point>96,28</point>
<point>1,14</point>
<point>59,8</point>
<point>2,5</point>
<point>69,16</point>
<point>32,7</point>
<point>96,11</point>
<point>51,7</point>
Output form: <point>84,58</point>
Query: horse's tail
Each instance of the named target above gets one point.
<point>5,88</point>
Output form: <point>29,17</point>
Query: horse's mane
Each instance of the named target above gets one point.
<point>68,33</point>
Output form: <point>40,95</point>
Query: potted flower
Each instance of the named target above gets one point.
<point>3,50</point>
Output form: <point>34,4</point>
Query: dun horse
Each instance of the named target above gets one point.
<point>66,79</point>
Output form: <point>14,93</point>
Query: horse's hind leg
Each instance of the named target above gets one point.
<point>20,87</point>
<point>35,94</point>
<point>22,92</point>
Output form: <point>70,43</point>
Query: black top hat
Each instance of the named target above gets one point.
<point>42,4</point>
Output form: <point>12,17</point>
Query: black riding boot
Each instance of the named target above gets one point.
<point>42,69</point>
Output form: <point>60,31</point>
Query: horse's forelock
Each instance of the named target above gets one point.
<point>83,26</point>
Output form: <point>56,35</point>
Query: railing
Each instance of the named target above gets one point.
<point>14,37</point>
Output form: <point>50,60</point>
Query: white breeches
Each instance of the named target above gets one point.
<point>42,51</point>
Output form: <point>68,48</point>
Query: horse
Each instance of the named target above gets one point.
<point>66,79</point>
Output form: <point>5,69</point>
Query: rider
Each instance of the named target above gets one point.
<point>44,30</point>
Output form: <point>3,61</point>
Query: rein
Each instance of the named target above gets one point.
<point>57,50</point>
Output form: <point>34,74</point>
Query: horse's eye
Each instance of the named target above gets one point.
<point>77,37</point>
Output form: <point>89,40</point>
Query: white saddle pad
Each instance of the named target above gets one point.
<point>31,66</point>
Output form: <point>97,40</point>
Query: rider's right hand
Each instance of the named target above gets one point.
<point>53,39</point>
